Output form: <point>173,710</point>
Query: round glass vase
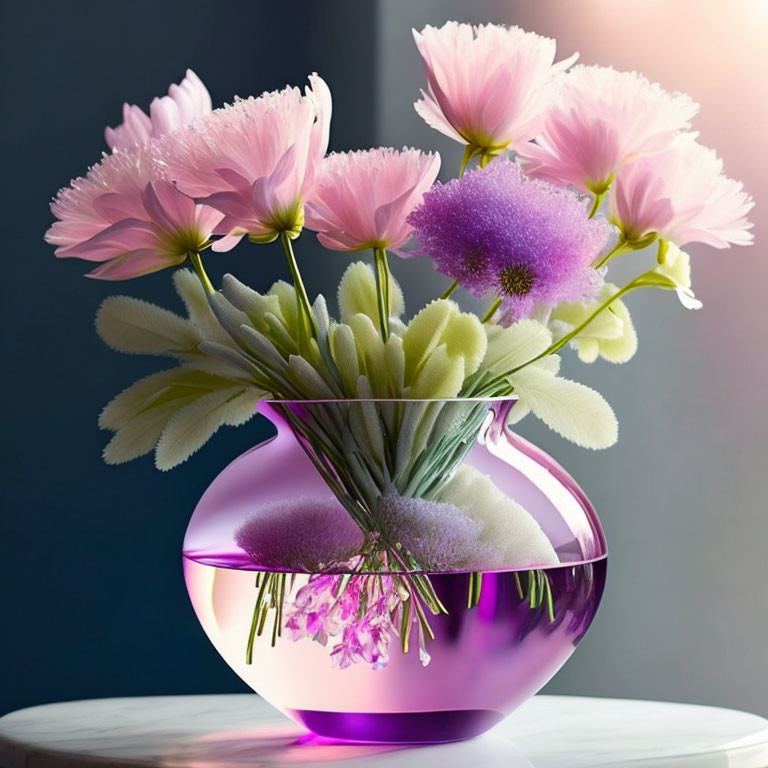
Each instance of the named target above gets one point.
<point>480,644</point>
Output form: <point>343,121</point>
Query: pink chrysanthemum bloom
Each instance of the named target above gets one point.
<point>488,85</point>
<point>683,195</point>
<point>185,102</point>
<point>362,199</point>
<point>498,232</point>
<point>306,534</point>
<point>125,214</point>
<point>254,160</point>
<point>601,120</point>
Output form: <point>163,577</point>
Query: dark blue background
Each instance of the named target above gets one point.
<point>92,601</point>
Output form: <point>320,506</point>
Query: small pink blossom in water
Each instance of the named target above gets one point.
<point>305,533</point>
<point>601,120</point>
<point>361,615</point>
<point>185,102</point>
<point>127,216</point>
<point>362,199</point>
<point>254,160</point>
<point>683,195</point>
<point>488,85</point>
<point>525,241</point>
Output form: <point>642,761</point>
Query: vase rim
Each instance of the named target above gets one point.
<point>349,400</point>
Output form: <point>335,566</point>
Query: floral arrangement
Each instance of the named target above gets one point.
<point>565,169</point>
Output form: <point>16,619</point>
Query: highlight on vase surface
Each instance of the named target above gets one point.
<point>395,564</point>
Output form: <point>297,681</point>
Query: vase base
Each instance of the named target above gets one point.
<point>398,727</point>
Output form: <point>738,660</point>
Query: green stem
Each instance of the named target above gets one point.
<point>630,286</point>
<point>302,300</point>
<point>475,589</point>
<point>491,310</point>
<point>620,247</point>
<point>197,264</point>
<point>596,204</point>
<point>382,289</point>
<point>256,613</point>
<point>448,292</point>
<point>624,246</point>
<point>485,158</point>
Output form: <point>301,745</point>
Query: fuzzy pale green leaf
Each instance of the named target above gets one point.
<point>142,393</point>
<point>138,327</point>
<point>509,348</point>
<point>191,427</point>
<point>345,356</point>
<point>464,335</point>
<point>140,435</point>
<point>357,294</point>
<point>441,376</point>
<point>199,310</point>
<point>424,334</point>
<point>254,304</point>
<point>370,350</point>
<point>573,410</point>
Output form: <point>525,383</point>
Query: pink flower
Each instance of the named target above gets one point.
<point>361,612</point>
<point>79,207</point>
<point>601,120</point>
<point>488,85</point>
<point>683,195</point>
<point>126,215</point>
<point>185,102</point>
<point>254,160</point>
<point>362,199</point>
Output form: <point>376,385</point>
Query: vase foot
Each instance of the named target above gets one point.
<point>398,727</point>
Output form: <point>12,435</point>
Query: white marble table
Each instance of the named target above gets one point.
<point>241,730</point>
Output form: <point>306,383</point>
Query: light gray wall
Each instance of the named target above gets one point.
<point>682,495</point>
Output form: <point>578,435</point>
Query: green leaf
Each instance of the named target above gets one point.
<point>425,333</point>
<point>199,310</point>
<point>357,294</point>
<point>289,311</point>
<point>254,304</point>
<point>370,348</point>
<point>465,336</point>
<point>309,381</point>
<point>145,392</point>
<point>138,327</point>
<point>228,316</point>
<point>573,410</point>
<point>344,354</point>
<point>441,377</point>
<point>514,346</point>
<point>140,435</point>
<point>132,400</point>
<point>192,426</point>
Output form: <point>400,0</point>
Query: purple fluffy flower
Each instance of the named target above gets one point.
<point>306,533</point>
<point>439,536</point>
<point>498,232</point>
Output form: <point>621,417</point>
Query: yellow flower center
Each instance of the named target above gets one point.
<point>517,280</point>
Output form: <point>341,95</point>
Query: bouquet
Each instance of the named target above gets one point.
<point>566,168</point>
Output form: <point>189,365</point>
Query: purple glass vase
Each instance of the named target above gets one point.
<point>500,635</point>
